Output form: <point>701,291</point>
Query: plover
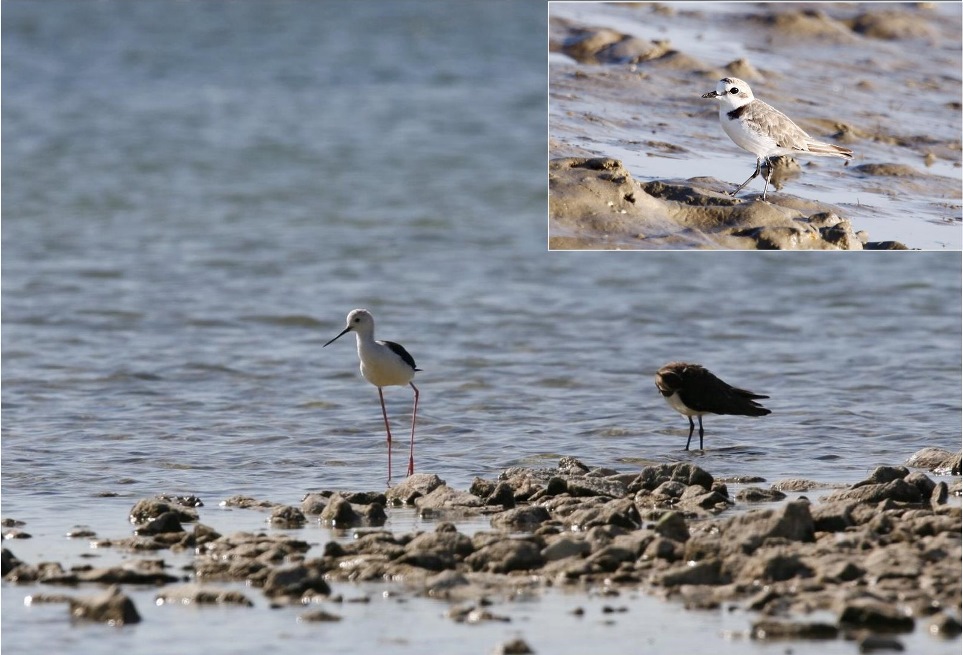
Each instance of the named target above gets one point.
<point>763,130</point>
<point>383,364</point>
<point>691,390</point>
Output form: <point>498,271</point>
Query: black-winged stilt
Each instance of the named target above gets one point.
<point>383,364</point>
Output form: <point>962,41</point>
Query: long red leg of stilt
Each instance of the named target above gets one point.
<point>384,412</point>
<point>411,451</point>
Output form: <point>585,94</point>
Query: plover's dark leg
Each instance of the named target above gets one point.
<point>751,178</point>
<point>691,430</point>
<point>701,433</point>
<point>768,178</point>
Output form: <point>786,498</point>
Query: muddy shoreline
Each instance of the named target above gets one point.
<point>881,555</point>
<point>596,203</point>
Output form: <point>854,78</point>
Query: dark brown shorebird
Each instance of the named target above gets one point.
<point>691,390</point>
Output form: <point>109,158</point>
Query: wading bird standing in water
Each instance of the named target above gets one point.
<point>383,364</point>
<point>691,390</point>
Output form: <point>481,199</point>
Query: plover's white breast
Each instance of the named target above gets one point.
<point>761,130</point>
<point>675,402</point>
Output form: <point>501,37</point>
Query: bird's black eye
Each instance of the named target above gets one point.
<point>733,90</point>
<point>357,319</point>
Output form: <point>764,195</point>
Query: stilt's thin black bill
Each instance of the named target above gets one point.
<point>347,329</point>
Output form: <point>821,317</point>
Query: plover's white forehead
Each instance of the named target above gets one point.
<point>733,86</point>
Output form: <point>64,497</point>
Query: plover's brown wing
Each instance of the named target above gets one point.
<point>769,121</point>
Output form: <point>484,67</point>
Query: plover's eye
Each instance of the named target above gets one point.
<point>733,90</point>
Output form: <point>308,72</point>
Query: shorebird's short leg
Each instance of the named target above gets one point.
<point>691,430</point>
<point>411,452</point>
<point>768,178</point>
<point>384,413</point>
<point>751,178</point>
<point>701,433</point>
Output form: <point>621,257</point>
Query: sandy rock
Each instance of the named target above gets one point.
<point>663,548</point>
<point>204,534</point>
<point>152,508</point>
<point>314,503</point>
<point>891,25</point>
<point>796,484</point>
<point>195,594</point>
<point>792,521</point>
<point>774,567</point>
<point>522,519</point>
<point>940,494</point>
<point>621,512</point>
<point>111,607</point>
<point>412,487</point>
<point>443,583</point>
<point>769,629</point>
<point>437,551</point>
<point>688,474</point>
<point>505,556</point>
<point>443,500</point>
<point>832,516</point>
<point>318,616</point>
<point>246,502</point>
<point>472,613</point>
<point>516,646</point>
<point>115,575</point>
<point>294,582</point>
<point>708,572</point>
<point>866,492</point>
<point>588,486</point>
<point>672,526</point>
<point>8,562</point>
<point>287,516</point>
<point>564,546</point>
<point>340,513</point>
<point>245,556</point>
<point>944,625</point>
<point>874,643</point>
<point>937,460</point>
<point>162,523</point>
<point>874,615</point>
<point>759,495</point>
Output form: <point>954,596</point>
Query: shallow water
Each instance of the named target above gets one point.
<point>194,199</point>
<point>602,110</point>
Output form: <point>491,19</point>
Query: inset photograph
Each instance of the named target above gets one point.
<point>754,126</point>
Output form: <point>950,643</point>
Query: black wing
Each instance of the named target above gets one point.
<point>399,350</point>
<point>702,391</point>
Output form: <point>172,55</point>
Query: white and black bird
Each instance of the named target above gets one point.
<point>763,130</point>
<point>383,364</point>
<point>692,390</point>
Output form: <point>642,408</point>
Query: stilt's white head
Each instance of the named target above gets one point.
<point>360,321</point>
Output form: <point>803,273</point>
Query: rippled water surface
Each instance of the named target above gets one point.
<point>195,195</point>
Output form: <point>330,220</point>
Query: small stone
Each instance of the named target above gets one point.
<point>759,495</point>
<point>112,607</point>
<point>514,647</point>
<point>672,526</point>
<point>944,625</point>
<point>318,616</point>
<point>767,629</point>
<point>875,615</point>
<point>872,643</point>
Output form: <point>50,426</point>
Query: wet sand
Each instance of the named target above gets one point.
<point>880,556</point>
<point>638,159</point>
